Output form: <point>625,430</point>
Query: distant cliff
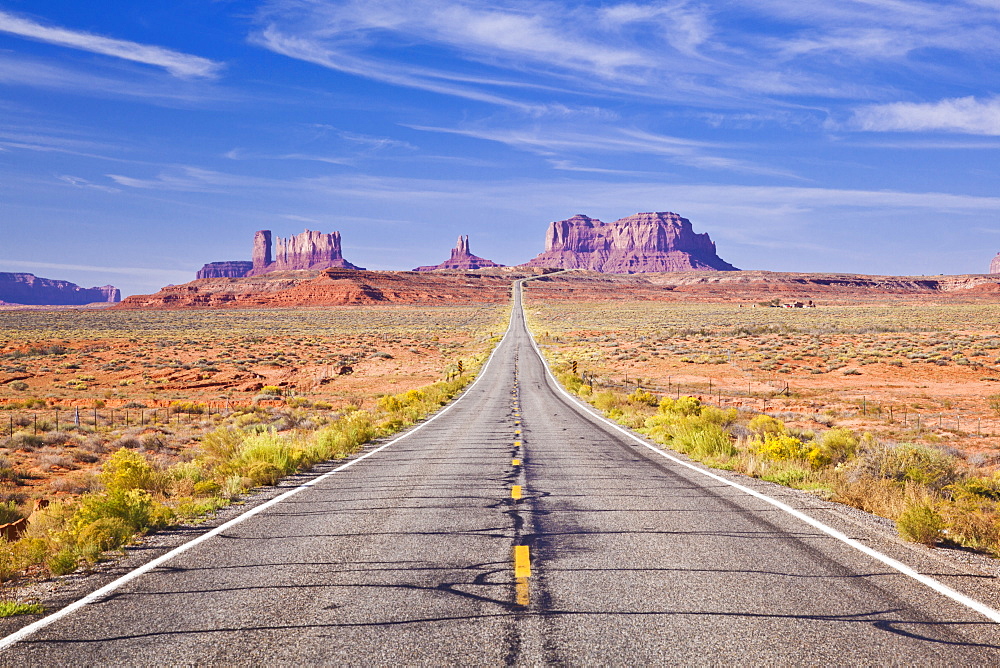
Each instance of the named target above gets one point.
<point>230,269</point>
<point>461,259</point>
<point>17,288</point>
<point>645,242</point>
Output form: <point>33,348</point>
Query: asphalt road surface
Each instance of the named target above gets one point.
<point>408,558</point>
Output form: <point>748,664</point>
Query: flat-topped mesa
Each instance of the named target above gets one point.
<point>645,242</point>
<point>461,259</point>
<point>230,269</point>
<point>995,265</point>
<point>21,288</point>
<point>309,250</point>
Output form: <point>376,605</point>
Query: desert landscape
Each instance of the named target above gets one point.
<point>258,369</point>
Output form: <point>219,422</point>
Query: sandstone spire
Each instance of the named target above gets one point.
<point>461,259</point>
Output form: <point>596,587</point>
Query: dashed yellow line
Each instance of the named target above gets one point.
<point>522,561</point>
<point>517,444</point>
<point>515,462</point>
<point>515,492</point>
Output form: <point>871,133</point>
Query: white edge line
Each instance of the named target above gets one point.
<point>98,594</point>
<point>990,613</point>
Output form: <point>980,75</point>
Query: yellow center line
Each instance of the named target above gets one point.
<point>517,432</point>
<point>522,561</point>
<point>523,594</point>
<point>515,462</point>
<point>517,444</point>
<point>515,492</point>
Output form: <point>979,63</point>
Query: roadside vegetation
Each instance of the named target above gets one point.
<point>134,492</point>
<point>117,423</point>
<point>934,495</point>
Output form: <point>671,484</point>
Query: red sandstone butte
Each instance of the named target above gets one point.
<point>230,269</point>
<point>461,259</point>
<point>307,251</point>
<point>995,265</point>
<point>645,242</point>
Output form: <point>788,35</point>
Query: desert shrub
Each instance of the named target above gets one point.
<point>641,396</point>
<point>18,385</point>
<point>9,512</point>
<point>702,440</point>
<point>834,447</point>
<point>681,406</point>
<point>994,403</point>
<point>271,391</point>
<point>907,462</point>
<point>128,470</point>
<point>789,476</point>
<point>94,444</point>
<point>222,444</point>
<point>84,456</point>
<point>103,534</point>
<point>973,526</point>
<point>762,425</point>
<point>70,485</point>
<point>976,487</point>
<point>56,438</point>
<point>152,443</point>
<point>129,442</point>
<point>920,522</point>
<point>50,460</point>
<point>63,562</point>
<point>134,507</point>
<point>189,407</point>
<point>24,441</point>
<point>778,446</point>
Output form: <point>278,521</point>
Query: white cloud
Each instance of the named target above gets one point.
<point>964,115</point>
<point>78,182</point>
<point>552,142</point>
<point>178,64</point>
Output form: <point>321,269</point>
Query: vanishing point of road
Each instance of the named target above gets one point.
<point>518,528</point>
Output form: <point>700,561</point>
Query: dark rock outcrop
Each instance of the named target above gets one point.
<point>645,242</point>
<point>307,251</point>
<point>18,288</point>
<point>230,269</point>
<point>461,259</point>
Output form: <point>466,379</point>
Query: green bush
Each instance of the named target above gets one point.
<point>921,523</point>
<point>11,608</point>
<point>128,470</point>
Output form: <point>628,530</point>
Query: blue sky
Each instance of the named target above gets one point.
<point>139,140</point>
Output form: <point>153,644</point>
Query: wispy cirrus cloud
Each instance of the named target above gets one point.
<point>178,64</point>
<point>682,51</point>
<point>967,115</point>
<point>552,142</point>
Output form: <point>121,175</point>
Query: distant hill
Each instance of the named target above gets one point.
<point>28,289</point>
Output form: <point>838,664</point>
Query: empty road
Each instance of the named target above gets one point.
<point>407,558</point>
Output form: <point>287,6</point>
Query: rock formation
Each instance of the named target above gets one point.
<point>995,265</point>
<point>645,242</point>
<point>230,269</point>
<point>331,287</point>
<point>309,250</point>
<point>17,288</point>
<point>461,259</point>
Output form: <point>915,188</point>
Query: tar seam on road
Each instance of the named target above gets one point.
<point>943,589</point>
<point>162,559</point>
